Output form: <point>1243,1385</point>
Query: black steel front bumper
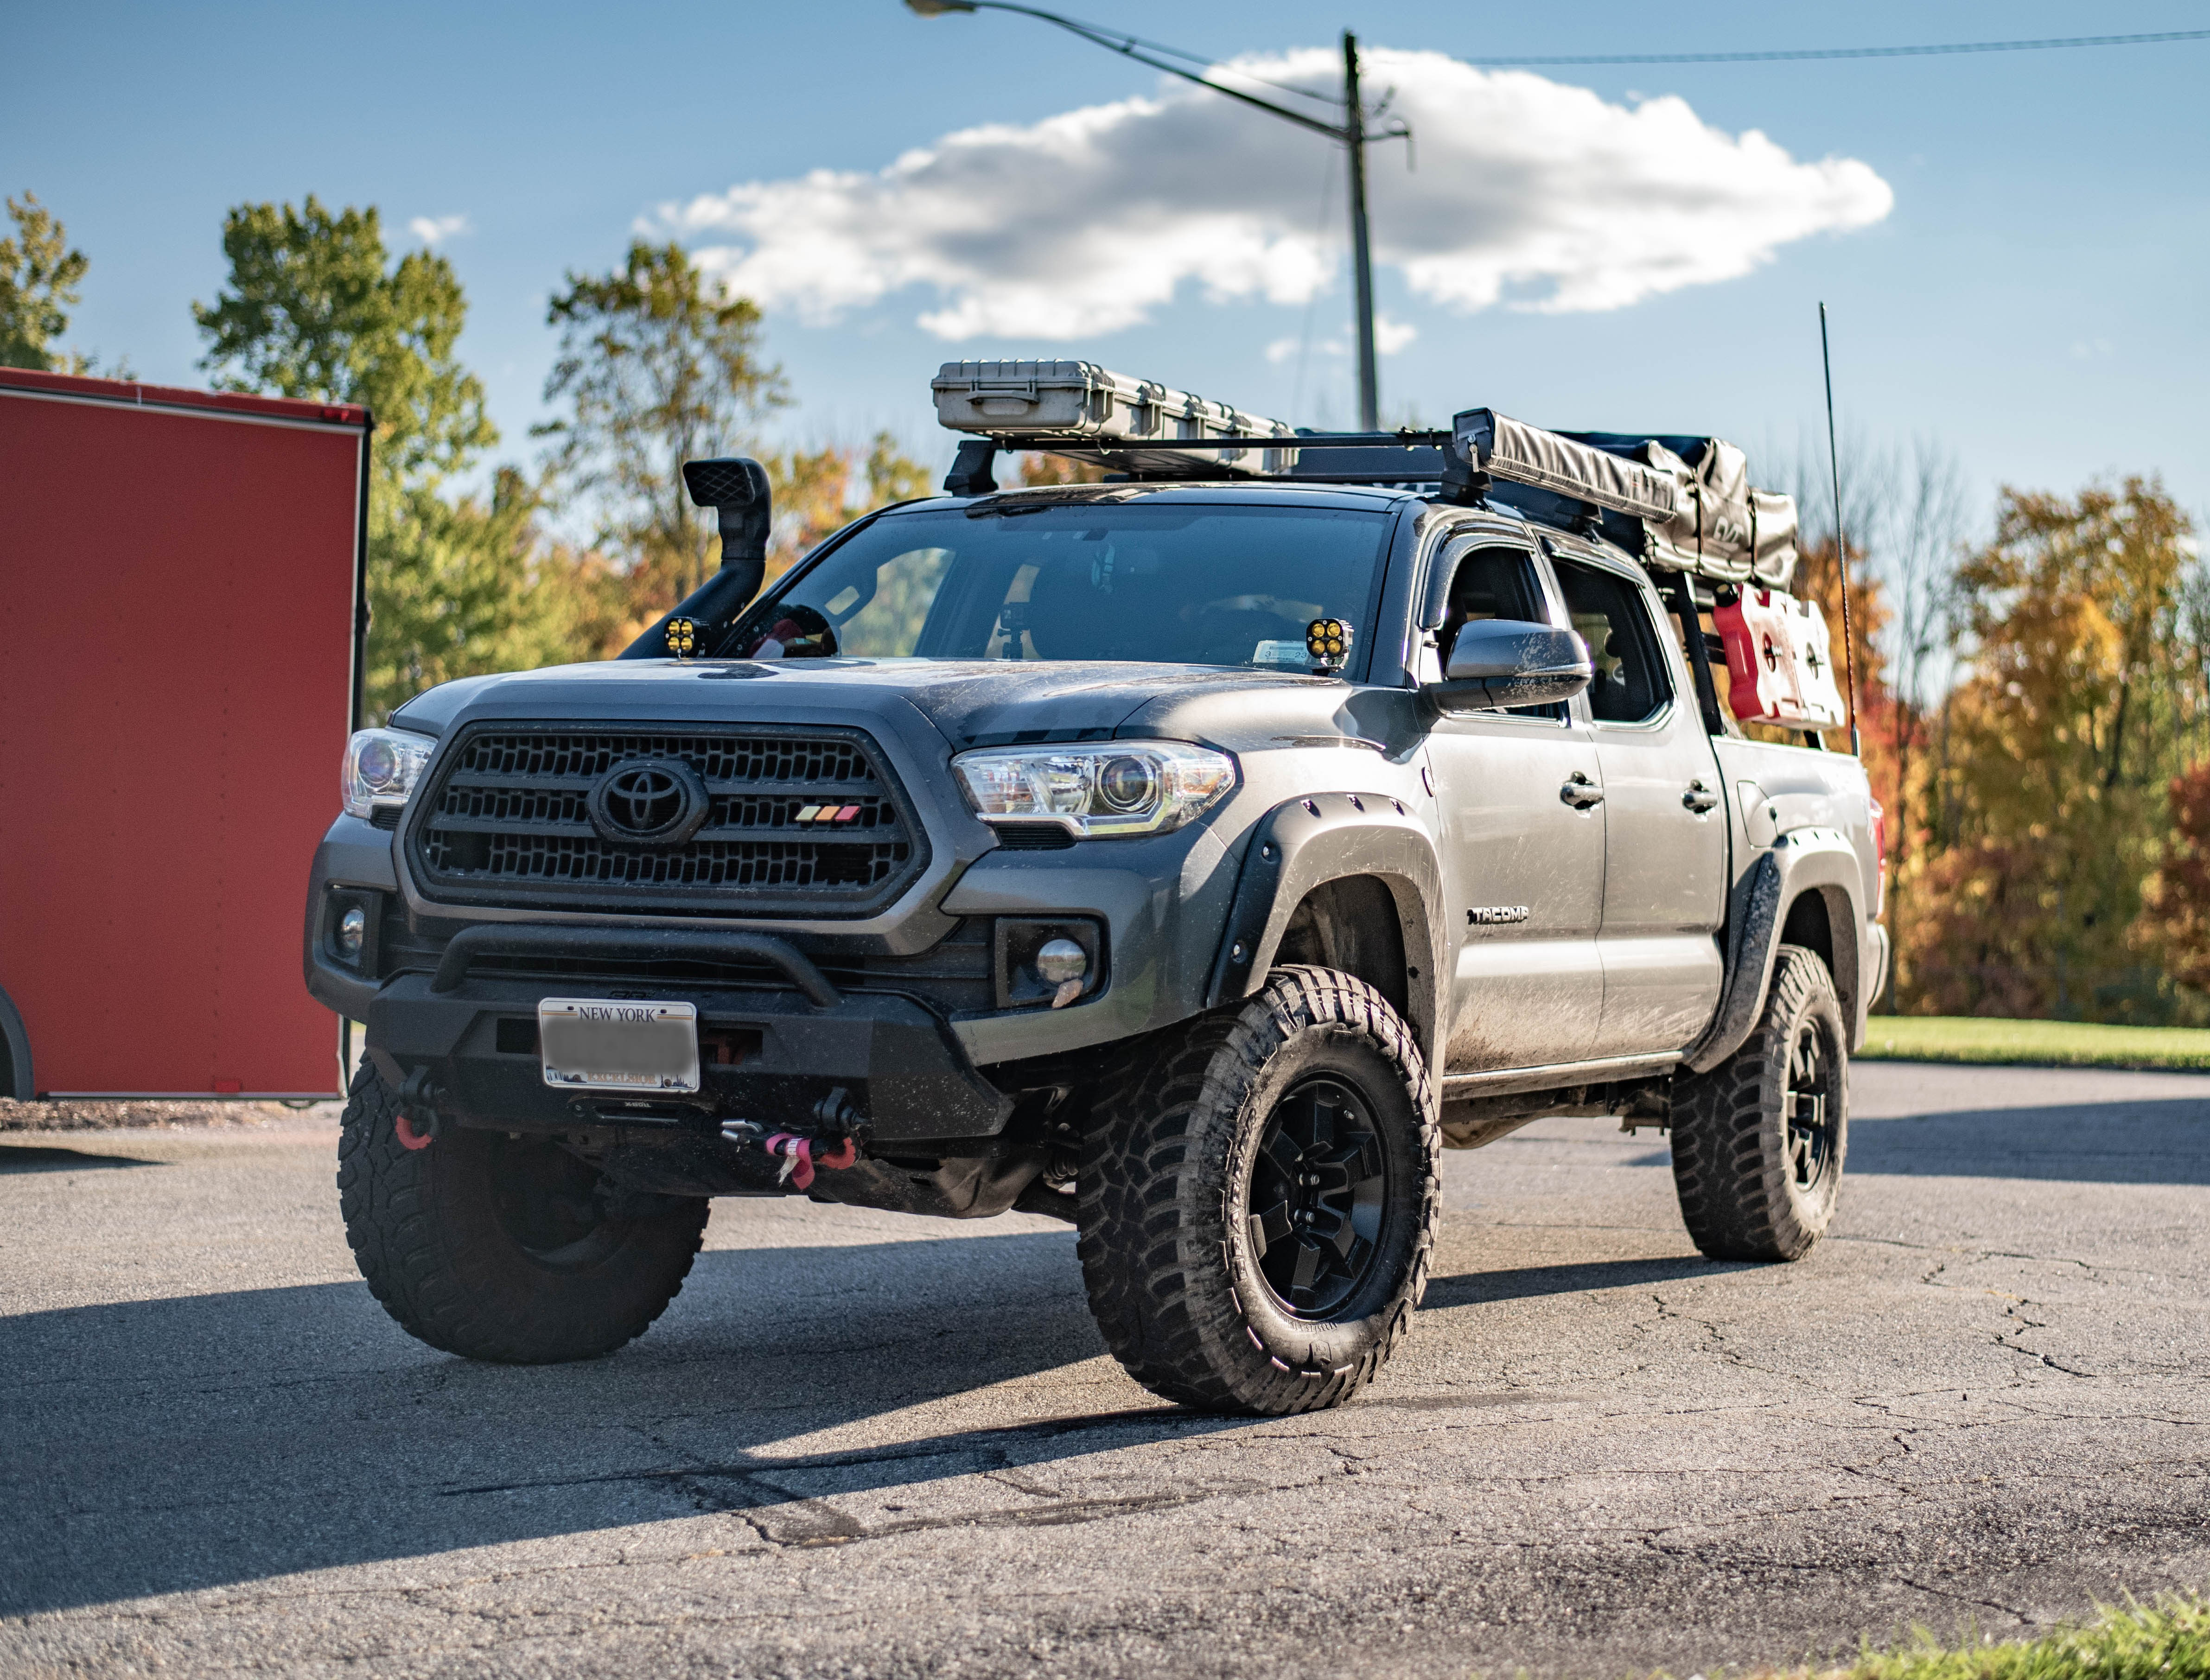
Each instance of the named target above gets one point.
<point>877,1062</point>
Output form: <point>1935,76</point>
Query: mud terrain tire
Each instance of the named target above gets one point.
<point>1758,1142</point>
<point>1257,1196</point>
<point>504,1249</point>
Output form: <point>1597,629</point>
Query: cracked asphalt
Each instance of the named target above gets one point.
<point>862,1444</point>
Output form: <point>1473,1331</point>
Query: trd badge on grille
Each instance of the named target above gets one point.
<point>649,802</point>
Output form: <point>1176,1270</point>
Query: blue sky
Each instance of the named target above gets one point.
<point>2034,298</point>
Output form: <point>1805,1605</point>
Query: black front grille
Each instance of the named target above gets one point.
<point>956,975</point>
<point>798,823</point>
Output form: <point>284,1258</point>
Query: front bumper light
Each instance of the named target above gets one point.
<point>1096,789</point>
<point>381,768</point>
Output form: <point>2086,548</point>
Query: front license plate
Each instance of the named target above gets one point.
<point>606,1044</point>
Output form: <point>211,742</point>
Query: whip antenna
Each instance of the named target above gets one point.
<point>1841,544</point>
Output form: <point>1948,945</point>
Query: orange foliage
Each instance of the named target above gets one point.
<point>2177,899</point>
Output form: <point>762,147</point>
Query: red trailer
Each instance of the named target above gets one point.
<point>181,619</point>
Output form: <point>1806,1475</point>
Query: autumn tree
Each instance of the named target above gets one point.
<point>1037,468</point>
<point>818,491</point>
<point>2175,924</point>
<point>893,475</point>
<point>811,488</point>
<point>2081,695</point>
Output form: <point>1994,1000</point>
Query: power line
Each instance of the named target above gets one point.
<point>1120,41</point>
<point>1852,51</point>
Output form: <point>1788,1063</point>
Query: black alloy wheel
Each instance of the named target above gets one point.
<point>552,1204</point>
<point>1317,1183</point>
<point>1257,1196</point>
<point>1813,1108</point>
<point>1760,1141</point>
<point>502,1247</point>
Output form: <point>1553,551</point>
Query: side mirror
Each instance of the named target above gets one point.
<point>1512,663</point>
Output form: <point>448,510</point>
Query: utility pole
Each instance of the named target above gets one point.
<point>1350,134</point>
<point>1361,255</point>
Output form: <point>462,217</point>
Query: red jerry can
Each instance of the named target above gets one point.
<point>1780,664</point>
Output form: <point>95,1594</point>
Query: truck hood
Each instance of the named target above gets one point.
<point>971,702</point>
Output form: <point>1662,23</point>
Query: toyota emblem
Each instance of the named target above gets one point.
<point>649,802</point>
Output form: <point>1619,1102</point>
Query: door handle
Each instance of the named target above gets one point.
<point>1699,798</point>
<point>1580,793</point>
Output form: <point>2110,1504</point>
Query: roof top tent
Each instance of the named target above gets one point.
<point>181,621</point>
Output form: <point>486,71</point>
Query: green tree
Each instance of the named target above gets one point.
<point>459,585</point>
<point>314,308</point>
<point>313,311</point>
<point>658,365</point>
<point>39,274</point>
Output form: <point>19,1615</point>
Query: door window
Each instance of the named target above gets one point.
<point>1632,682</point>
<point>1495,583</point>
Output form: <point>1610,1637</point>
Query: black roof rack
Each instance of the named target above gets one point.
<point>1407,457</point>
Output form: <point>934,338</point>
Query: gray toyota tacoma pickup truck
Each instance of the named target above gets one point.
<point>1189,858</point>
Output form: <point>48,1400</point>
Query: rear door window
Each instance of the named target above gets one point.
<point>1633,683</point>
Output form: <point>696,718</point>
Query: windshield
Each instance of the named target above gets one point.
<point>1205,584</point>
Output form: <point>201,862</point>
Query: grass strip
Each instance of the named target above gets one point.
<point>2167,1640</point>
<point>2046,1043</point>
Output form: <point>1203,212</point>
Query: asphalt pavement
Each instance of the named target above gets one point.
<point>863,1444</point>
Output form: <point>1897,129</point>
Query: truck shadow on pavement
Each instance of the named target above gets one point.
<point>49,1158</point>
<point>2161,1141</point>
<point>169,1445</point>
<point>1528,1283</point>
<point>2164,1141</point>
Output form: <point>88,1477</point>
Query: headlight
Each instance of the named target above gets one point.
<point>381,768</point>
<point>1096,789</point>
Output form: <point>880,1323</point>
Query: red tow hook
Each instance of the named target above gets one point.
<point>420,1095</point>
<point>797,1154</point>
<point>798,1162</point>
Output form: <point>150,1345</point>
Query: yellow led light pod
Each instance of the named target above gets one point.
<point>1328,641</point>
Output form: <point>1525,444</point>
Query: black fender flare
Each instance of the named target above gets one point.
<point>1304,843</point>
<point>1806,859</point>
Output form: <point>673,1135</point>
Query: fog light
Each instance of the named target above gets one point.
<point>1062,964</point>
<point>1054,961</point>
<point>1061,960</point>
<point>353,929</point>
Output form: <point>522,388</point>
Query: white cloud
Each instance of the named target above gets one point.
<point>1528,194</point>
<point>1390,337</point>
<point>431,230</point>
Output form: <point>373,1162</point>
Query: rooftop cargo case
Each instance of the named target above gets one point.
<point>1029,404</point>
